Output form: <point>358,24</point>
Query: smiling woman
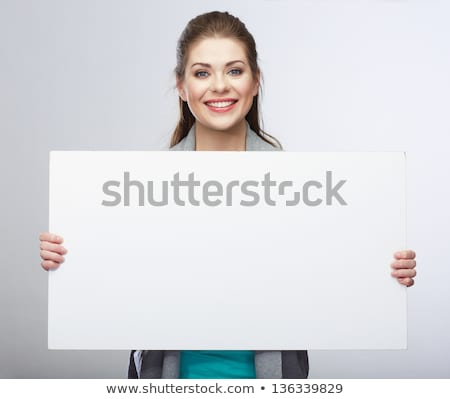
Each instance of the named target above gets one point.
<point>219,88</point>
<point>218,80</point>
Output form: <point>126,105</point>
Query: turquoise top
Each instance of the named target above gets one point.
<point>217,364</point>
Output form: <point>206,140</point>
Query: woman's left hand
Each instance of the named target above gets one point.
<point>403,266</point>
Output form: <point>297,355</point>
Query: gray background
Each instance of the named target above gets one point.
<point>339,76</point>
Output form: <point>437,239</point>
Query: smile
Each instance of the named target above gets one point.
<point>222,105</point>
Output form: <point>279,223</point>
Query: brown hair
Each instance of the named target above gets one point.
<point>215,24</point>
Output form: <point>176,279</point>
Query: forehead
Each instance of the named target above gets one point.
<point>216,50</point>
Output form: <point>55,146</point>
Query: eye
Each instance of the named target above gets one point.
<point>235,72</point>
<point>201,74</point>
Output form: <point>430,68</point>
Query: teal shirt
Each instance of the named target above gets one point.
<point>217,364</point>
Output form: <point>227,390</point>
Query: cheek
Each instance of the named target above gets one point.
<point>248,88</point>
<point>195,90</point>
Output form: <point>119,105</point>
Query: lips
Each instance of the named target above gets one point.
<point>221,105</point>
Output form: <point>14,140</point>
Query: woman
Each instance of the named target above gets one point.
<point>218,81</point>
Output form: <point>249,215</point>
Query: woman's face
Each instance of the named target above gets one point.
<point>218,83</point>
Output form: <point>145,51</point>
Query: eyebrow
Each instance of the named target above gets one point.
<point>205,65</point>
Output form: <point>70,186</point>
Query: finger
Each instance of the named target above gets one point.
<point>406,254</point>
<point>409,282</point>
<point>403,264</point>
<point>53,247</point>
<point>49,255</point>
<point>402,273</point>
<point>49,265</point>
<point>46,236</point>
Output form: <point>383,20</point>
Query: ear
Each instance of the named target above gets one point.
<point>181,91</point>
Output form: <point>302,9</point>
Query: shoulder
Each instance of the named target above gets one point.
<point>257,143</point>
<point>179,146</point>
<point>187,143</point>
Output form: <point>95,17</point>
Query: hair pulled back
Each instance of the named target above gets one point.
<point>224,25</point>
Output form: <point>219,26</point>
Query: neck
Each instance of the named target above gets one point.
<point>220,140</point>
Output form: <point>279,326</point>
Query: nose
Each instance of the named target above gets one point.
<point>219,83</point>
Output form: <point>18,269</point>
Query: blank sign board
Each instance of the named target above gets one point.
<point>227,250</point>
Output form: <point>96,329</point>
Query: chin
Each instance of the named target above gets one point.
<point>224,127</point>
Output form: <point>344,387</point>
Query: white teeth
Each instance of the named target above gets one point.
<point>220,104</point>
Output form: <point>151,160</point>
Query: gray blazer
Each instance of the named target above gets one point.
<point>268,364</point>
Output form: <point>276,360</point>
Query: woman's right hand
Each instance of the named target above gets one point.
<point>51,250</point>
